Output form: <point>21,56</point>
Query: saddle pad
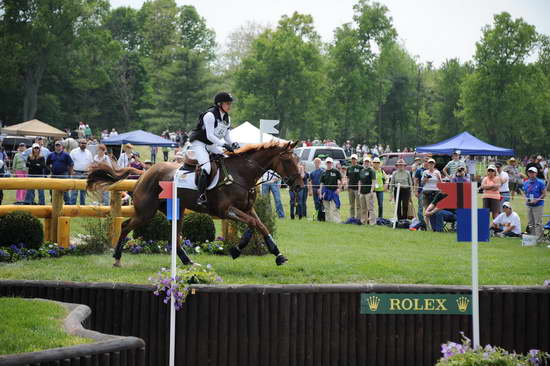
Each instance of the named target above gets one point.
<point>186,179</point>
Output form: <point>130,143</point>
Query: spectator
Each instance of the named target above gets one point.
<point>535,162</point>
<point>535,191</point>
<point>331,181</point>
<point>418,183</point>
<point>60,165</point>
<point>379,185</point>
<point>20,169</point>
<point>315,179</point>
<point>81,130</point>
<point>471,167</point>
<point>504,189</point>
<point>491,186</point>
<point>87,131</point>
<point>154,150</point>
<point>165,151</point>
<point>508,223</point>
<point>430,178</point>
<point>438,216</point>
<point>299,199</point>
<point>82,159</point>
<point>353,189</point>
<point>147,164</point>
<point>37,168</point>
<point>367,178</point>
<point>3,159</point>
<point>43,149</point>
<point>452,166</point>
<point>113,133</point>
<point>102,158</point>
<point>272,184</point>
<point>402,177</point>
<point>515,177</point>
<point>125,156</point>
<point>460,176</point>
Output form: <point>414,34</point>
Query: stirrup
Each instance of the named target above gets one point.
<point>202,199</point>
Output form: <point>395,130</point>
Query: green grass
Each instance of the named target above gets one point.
<point>328,253</point>
<point>32,325</point>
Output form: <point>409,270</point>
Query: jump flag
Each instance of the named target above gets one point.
<point>459,195</point>
<point>166,186</point>
<point>464,224</point>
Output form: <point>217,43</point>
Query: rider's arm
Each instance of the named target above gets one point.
<point>227,137</point>
<point>209,121</point>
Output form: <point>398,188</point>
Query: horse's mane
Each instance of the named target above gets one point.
<point>262,146</point>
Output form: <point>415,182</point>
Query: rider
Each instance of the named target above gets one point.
<point>210,135</point>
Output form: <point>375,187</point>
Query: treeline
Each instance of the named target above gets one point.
<point>158,67</point>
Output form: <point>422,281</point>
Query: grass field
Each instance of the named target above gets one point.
<point>327,253</point>
<point>31,325</point>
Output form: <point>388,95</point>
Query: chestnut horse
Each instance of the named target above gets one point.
<point>232,200</point>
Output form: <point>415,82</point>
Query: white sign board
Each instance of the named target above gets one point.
<point>268,125</point>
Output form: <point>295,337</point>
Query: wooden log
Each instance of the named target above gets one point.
<point>57,206</point>
<point>60,184</point>
<point>117,228</point>
<point>71,211</point>
<point>63,231</point>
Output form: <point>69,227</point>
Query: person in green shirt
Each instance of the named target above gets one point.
<point>403,178</point>
<point>20,169</point>
<point>379,185</point>
<point>367,177</point>
<point>353,191</point>
<point>331,181</point>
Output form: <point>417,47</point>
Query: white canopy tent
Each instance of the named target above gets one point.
<point>247,133</point>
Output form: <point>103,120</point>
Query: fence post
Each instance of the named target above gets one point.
<point>63,231</point>
<point>57,207</point>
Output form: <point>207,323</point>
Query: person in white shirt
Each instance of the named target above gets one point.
<point>82,159</point>
<point>508,223</point>
<point>504,188</point>
<point>126,157</point>
<point>102,158</point>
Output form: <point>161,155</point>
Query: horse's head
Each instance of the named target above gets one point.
<point>287,166</point>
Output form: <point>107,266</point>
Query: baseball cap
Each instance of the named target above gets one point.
<point>329,160</point>
<point>376,160</point>
<point>507,205</point>
<point>539,157</point>
<point>431,161</point>
<point>367,158</point>
<point>492,167</point>
<point>417,158</point>
<point>353,156</point>
<point>35,145</point>
<point>533,169</point>
<point>498,164</point>
<point>456,152</point>
<point>512,159</point>
<point>58,143</point>
<point>147,162</point>
<point>22,144</point>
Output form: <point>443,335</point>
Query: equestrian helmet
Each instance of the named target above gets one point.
<point>222,97</point>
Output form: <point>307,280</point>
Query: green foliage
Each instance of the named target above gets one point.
<point>47,250</point>
<point>19,227</point>
<point>267,215</point>
<point>198,228</point>
<point>158,228</point>
<point>96,236</point>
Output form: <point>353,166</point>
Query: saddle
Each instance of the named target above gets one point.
<point>191,164</point>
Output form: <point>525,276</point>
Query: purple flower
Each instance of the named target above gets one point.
<point>3,253</point>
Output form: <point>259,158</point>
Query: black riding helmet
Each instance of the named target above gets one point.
<point>222,97</point>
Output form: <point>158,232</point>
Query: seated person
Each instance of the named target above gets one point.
<point>460,176</point>
<point>438,216</point>
<point>508,223</point>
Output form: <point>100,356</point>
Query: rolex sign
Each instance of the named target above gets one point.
<point>373,303</point>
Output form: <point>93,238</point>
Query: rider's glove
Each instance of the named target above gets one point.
<point>235,146</point>
<point>228,147</point>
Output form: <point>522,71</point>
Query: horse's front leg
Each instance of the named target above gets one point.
<point>254,222</point>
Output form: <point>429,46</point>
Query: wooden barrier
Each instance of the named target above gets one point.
<point>70,211</point>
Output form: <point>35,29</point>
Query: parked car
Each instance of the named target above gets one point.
<point>389,160</point>
<point>307,154</point>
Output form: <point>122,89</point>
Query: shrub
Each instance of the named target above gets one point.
<point>267,216</point>
<point>455,354</point>
<point>198,228</point>
<point>158,228</point>
<point>19,227</point>
<point>96,238</point>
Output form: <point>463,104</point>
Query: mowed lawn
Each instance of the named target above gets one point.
<point>326,253</point>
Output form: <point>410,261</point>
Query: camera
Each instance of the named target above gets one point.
<point>428,176</point>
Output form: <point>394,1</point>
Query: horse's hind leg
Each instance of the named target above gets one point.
<point>127,226</point>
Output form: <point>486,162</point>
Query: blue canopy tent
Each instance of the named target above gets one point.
<point>467,144</point>
<point>138,137</point>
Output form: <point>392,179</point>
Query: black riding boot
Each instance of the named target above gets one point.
<point>202,183</point>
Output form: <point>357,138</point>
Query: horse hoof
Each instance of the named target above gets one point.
<point>117,264</point>
<point>235,253</point>
<point>280,259</point>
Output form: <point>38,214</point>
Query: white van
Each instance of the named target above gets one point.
<point>307,154</point>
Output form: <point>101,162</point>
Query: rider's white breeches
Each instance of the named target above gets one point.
<point>202,155</point>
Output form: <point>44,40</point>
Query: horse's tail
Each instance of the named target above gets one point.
<point>103,175</point>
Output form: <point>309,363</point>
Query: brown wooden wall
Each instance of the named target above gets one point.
<point>299,324</point>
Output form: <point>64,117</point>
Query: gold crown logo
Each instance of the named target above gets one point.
<point>373,301</point>
<point>462,303</point>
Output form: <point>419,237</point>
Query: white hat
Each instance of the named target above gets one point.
<point>329,160</point>
<point>353,156</point>
<point>492,167</point>
<point>533,169</point>
<point>507,204</point>
<point>456,152</point>
<point>367,158</point>
<point>431,161</point>
<point>35,145</point>
<point>376,160</point>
